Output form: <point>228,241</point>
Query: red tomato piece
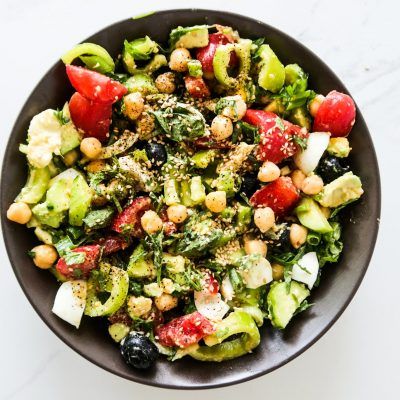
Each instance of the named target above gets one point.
<point>196,87</point>
<point>80,270</point>
<point>211,284</point>
<point>129,219</point>
<point>336,114</point>
<point>168,226</point>
<point>95,86</point>
<point>92,118</point>
<point>206,54</point>
<point>280,195</point>
<point>112,244</point>
<point>184,331</point>
<point>276,135</point>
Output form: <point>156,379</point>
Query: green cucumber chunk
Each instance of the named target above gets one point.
<point>272,72</point>
<point>81,197</point>
<point>35,187</point>
<point>283,303</point>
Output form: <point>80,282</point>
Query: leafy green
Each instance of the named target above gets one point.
<point>199,236</point>
<point>60,116</point>
<point>140,49</point>
<point>331,246</point>
<point>300,141</point>
<point>71,257</point>
<point>295,95</point>
<point>305,305</point>
<point>135,288</point>
<point>244,132</point>
<point>181,122</point>
<point>340,208</point>
<point>97,219</point>
<point>155,243</point>
<point>223,103</point>
<point>64,245</point>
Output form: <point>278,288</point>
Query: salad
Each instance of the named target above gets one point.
<point>187,193</point>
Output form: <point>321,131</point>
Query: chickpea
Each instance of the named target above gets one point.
<point>285,170</point>
<point>95,166</point>
<point>236,112</point>
<point>145,125</point>
<point>264,219</point>
<point>298,178</point>
<point>216,201</point>
<point>44,256</point>
<point>138,306</point>
<point>268,172</point>
<point>91,147</point>
<point>315,103</point>
<point>133,105</point>
<point>165,83</point>
<point>166,302</point>
<point>277,271</point>
<point>19,213</point>
<point>179,59</point>
<point>70,158</point>
<point>297,235</point>
<point>151,222</point>
<point>255,246</point>
<point>312,185</point>
<point>177,213</point>
<point>221,127</point>
<point>167,285</point>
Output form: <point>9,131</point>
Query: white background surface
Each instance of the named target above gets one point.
<point>359,357</point>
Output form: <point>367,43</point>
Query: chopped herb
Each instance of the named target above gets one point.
<point>60,116</point>
<point>72,258</point>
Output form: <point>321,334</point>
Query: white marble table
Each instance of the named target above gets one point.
<point>358,357</point>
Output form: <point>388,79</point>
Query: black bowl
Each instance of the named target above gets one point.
<point>338,284</point>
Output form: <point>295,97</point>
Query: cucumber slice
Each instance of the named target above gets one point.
<point>81,197</point>
<point>282,304</point>
<point>35,186</point>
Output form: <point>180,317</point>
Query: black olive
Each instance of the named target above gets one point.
<point>156,153</point>
<point>138,350</point>
<point>249,184</point>
<point>331,168</point>
<point>281,237</point>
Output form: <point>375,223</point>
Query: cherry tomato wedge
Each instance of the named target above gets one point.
<point>196,87</point>
<point>81,269</point>
<point>281,195</point>
<point>95,86</point>
<point>336,114</point>
<point>129,219</point>
<point>92,118</point>
<point>184,331</point>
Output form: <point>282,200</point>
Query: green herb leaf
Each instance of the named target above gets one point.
<point>72,258</point>
<point>60,116</point>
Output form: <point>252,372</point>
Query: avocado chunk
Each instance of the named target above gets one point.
<point>346,188</point>
<point>97,219</point>
<point>195,69</point>
<point>35,186</point>
<point>222,59</point>
<point>339,147</point>
<point>189,37</point>
<point>158,61</point>
<point>310,215</point>
<point>81,197</point>
<point>229,182</point>
<point>282,304</point>
<point>272,72</point>
<point>141,82</point>
<point>293,73</point>
<point>301,117</point>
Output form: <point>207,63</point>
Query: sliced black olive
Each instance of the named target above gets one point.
<point>138,350</point>
<point>331,168</point>
<point>156,154</point>
<point>249,184</point>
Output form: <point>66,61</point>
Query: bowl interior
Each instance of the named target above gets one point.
<point>338,283</point>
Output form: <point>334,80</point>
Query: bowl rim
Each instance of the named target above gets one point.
<point>253,375</point>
